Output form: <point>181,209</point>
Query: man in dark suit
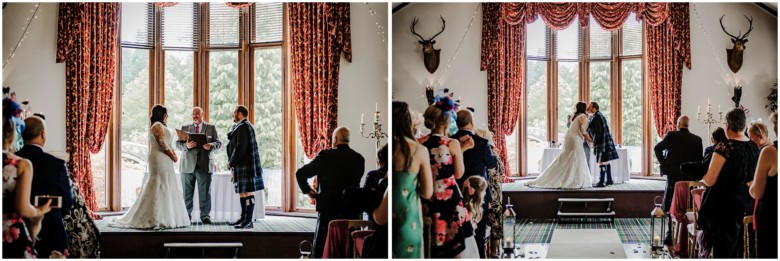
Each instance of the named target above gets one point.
<point>336,169</point>
<point>50,178</point>
<point>197,164</point>
<point>676,148</point>
<point>476,161</point>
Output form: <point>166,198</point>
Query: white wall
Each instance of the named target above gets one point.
<point>706,79</point>
<point>363,82</point>
<point>464,77</point>
<point>33,73</point>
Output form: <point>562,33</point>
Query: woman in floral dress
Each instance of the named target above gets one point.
<point>451,226</point>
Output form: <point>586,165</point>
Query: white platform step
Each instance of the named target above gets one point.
<point>586,200</point>
<point>590,214</point>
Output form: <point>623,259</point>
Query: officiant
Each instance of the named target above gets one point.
<point>197,164</point>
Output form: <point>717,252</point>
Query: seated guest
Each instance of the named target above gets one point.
<point>695,170</point>
<point>724,203</point>
<point>376,245</point>
<point>764,190</point>
<point>369,196</point>
<point>476,162</point>
<point>677,147</point>
<point>51,178</point>
<point>377,179</point>
<point>336,169</point>
<point>17,183</point>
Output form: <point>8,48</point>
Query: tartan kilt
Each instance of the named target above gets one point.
<point>246,180</point>
<point>606,153</point>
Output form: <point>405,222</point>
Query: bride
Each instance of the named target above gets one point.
<point>570,169</point>
<point>161,203</point>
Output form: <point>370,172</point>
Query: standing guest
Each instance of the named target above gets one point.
<point>476,162</point>
<point>52,179</point>
<point>244,163</point>
<point>603,145</point>
<point>336,169</point>
<point>450,219</point>
<point>196,165</point>
<point>474,189</point>
<point>764,190</point>
<point>495,210</point>
<point>17,182</point>
<point>723,204</point>
<point>411,177</point>
<point>677,147</point>
<point>377,179</point>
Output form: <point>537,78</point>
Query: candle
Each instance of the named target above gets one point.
<point>361,117</point>
<point>508,242</point>
<point>698,109</point>
<point>376,106</point>
<point>656,240</point>
<point>719,108</point>
<point>708,101</point>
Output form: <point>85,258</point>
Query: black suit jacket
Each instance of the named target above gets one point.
<point>50,177</point>
<point>680,146</point>
<point>336,169</point>
<point>477,160</point>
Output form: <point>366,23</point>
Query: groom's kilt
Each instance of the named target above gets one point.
<point>606,153</point>
<point>247,180</point>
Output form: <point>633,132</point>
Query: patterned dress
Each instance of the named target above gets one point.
<point>451,221</point>
<point>17,242</point>
<point>407,215</point>
<point>495,215</point>
<point>83,234</point>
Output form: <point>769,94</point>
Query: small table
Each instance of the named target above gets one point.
<point>620,173</point>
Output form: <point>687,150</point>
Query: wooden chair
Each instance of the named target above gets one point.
<point>687,212</point>
<point>427,222</point>
<point>747,223</point>
<point>354,225</point>
<point>359,240</point>
<point>694,188</point>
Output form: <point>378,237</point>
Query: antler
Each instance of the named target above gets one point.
<point>724,28</point>
<point>415,33</point>
<point>443,25</point>
<point>749,29</point>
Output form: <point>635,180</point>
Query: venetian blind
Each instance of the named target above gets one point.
<point>268,22</point>
<point>632,36</point>
<point>567,42</point>
<point>600,41</point>
<point>137,25</point>
<point>180,26</point>
<point>224,24</point>
<point>537,40</point>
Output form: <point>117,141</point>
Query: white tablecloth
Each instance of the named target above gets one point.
<point>224,200</point>
<point>620,171</point>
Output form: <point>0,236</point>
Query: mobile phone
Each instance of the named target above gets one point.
<point>56,201</point>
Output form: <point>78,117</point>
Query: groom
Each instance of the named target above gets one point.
<point>196,164</point>
<point>603,146</point>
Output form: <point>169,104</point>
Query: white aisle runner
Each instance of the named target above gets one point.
<point>586,243</point>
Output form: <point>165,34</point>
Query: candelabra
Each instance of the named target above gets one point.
<point>709,119</point>
<point>376,133</point>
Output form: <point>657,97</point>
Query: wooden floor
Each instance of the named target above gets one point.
<point>272,237</point>
<point>633,199</point>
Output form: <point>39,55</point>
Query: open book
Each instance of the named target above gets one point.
<point>199,138</point>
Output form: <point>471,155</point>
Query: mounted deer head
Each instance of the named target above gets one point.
<point>734,55</point>
<point>430,55</point>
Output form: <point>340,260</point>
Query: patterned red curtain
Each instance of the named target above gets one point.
<point>505,77</point>
<point>87,44</point>
<point>503,44</point>
<point>668,47</point>
<point>319,33</point>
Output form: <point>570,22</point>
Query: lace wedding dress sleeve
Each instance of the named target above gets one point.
<point>159,136</point>
<point>583,121</point>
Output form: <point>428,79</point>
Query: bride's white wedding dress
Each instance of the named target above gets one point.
<point>570,169</point>
<point>161,202</point>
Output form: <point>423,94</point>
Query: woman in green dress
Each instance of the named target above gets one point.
<point>411,172</point>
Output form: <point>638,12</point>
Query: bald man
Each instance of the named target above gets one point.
<point>676,148</point>
<point>196,164</point>
<point>50,178</point>
<point>336,169</point>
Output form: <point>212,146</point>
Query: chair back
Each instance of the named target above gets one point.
<point>359,238</point>
<point>355,225</point>
<point>695,191</point>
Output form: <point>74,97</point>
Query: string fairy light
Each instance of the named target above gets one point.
<point>437,82</point>
<point>25,33</point>
<point>380,29</point>
<point>712,48</point>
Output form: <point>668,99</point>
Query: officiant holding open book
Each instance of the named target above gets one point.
<point>197,142</point>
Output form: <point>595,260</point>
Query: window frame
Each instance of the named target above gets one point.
<point>616,86</point>
<point>246,90</point>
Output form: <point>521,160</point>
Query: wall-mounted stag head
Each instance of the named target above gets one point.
<point>734,55</point>
<point>430,55</point>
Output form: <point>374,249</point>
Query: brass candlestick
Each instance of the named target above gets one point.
<point>709,119</point>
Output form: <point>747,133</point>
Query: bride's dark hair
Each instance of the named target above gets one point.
<point>580,109</point>
<point>158,114</point>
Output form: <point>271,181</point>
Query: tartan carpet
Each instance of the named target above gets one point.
<point>268,224</point>
<point>631,185</point>
<point>539,231</point>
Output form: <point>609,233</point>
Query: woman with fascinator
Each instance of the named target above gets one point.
<point>570,169</point>
<point>452,232</point>
<point>17,182</point>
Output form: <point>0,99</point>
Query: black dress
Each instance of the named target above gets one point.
<point>724,204</point>
<point>765,220</point>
